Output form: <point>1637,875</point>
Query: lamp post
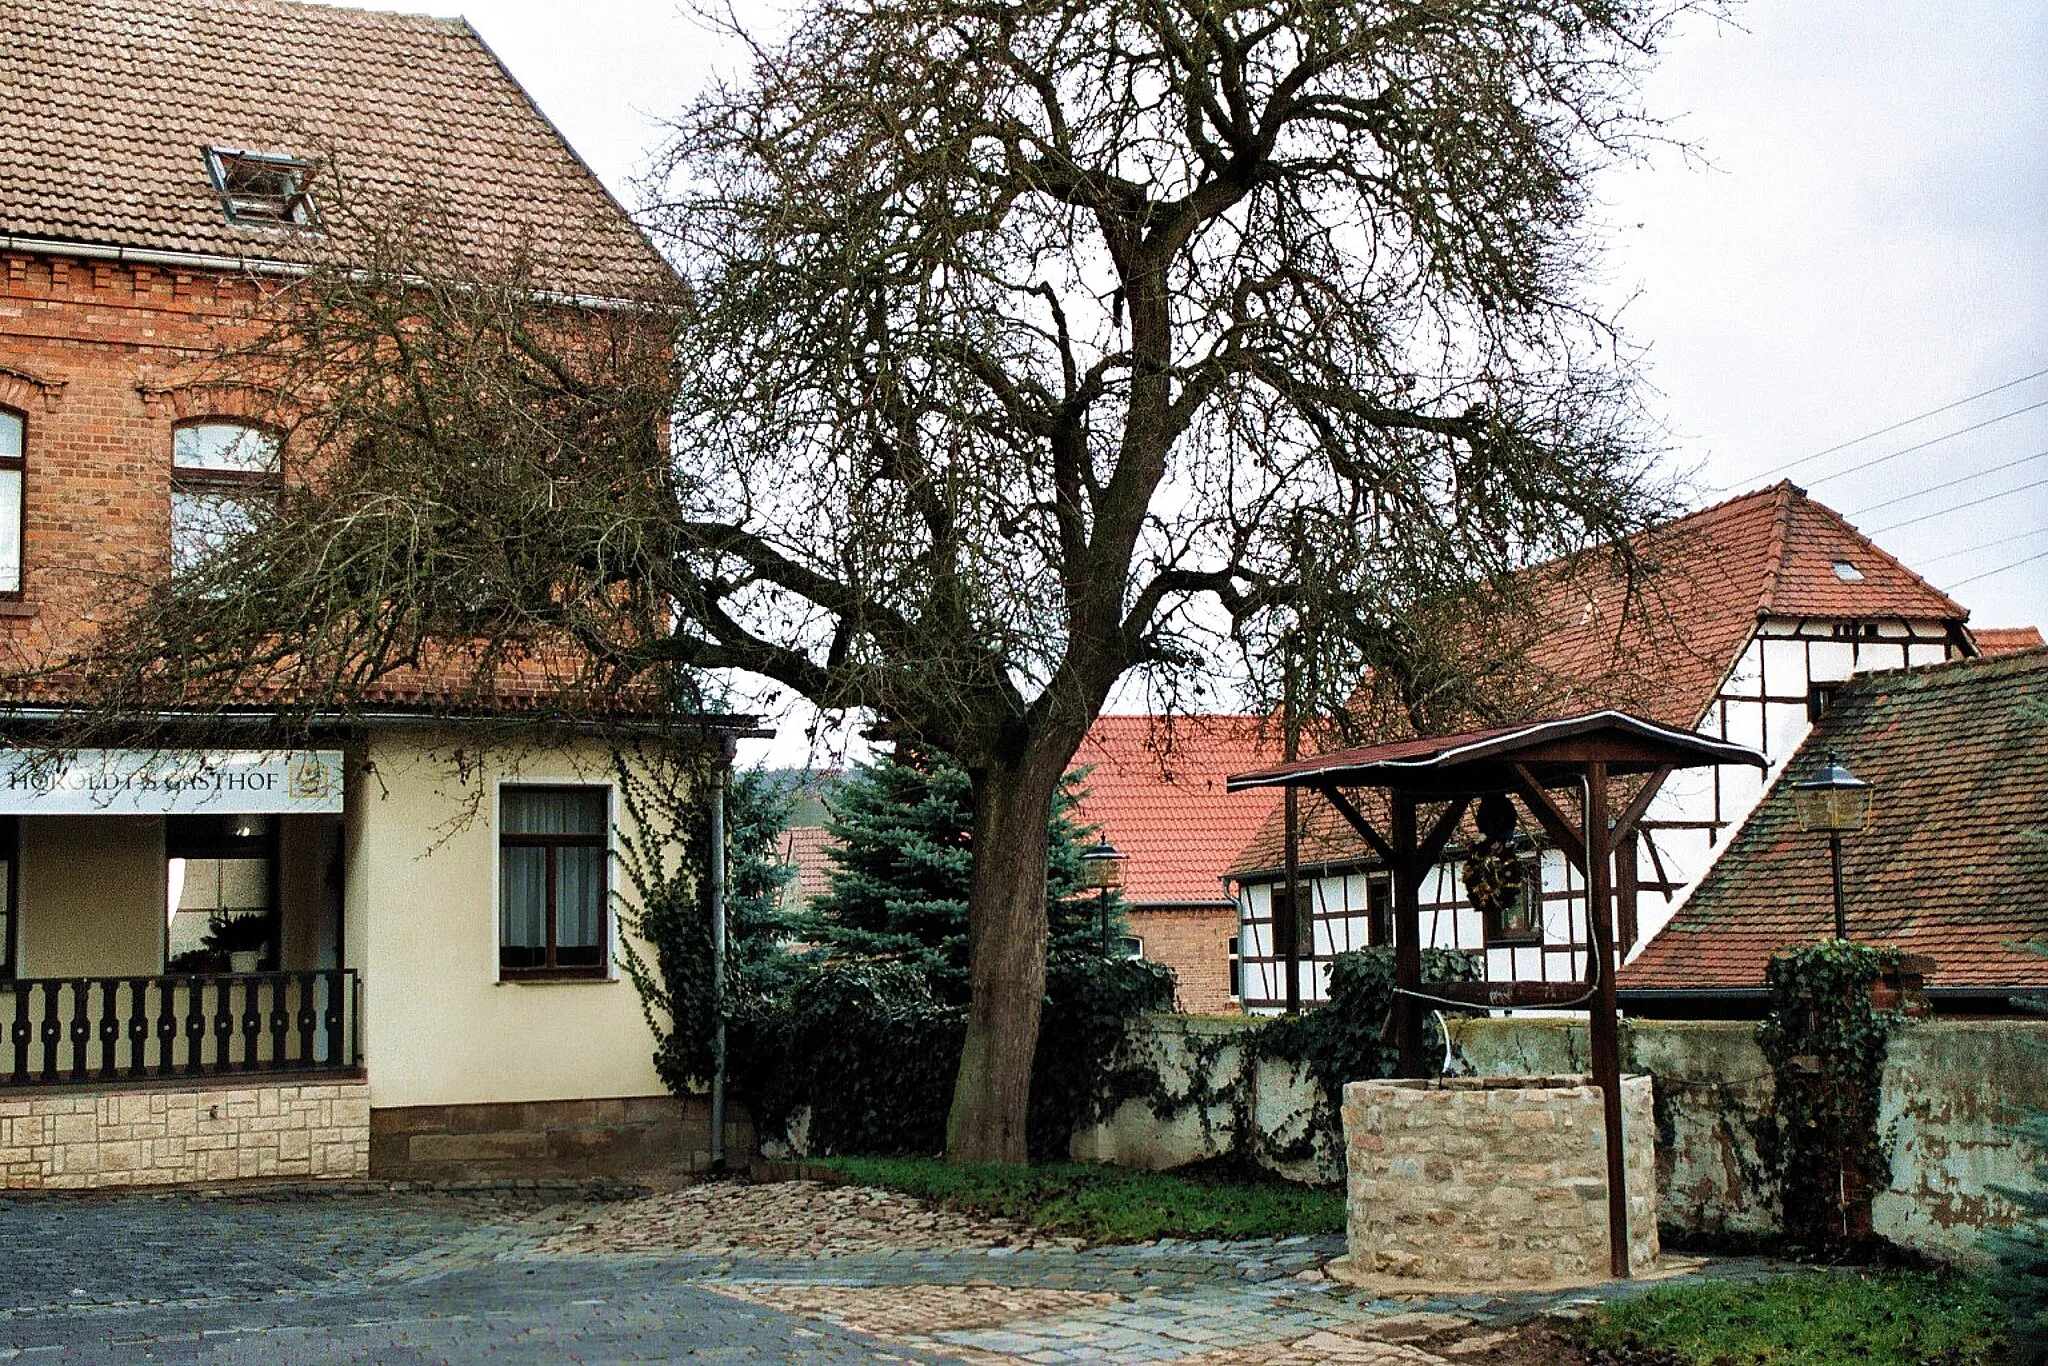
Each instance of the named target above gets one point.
<point>1838,802</point>
<point>1104,867</point>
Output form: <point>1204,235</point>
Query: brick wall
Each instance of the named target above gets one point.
<point>1491,1181</point>
<point>1195,942</point>
<point>554,1139</point>
<point>102,360</point>
<point>179,1135</point>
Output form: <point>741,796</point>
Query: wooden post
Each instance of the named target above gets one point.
<point>1605,1030</point>
<point>1287,940</point>
<point>1407,936</point>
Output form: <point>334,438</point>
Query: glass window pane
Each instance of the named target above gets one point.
<point>202,523</point>
<point>10,437</point>
<point>554,811</point>
<point>10,527</point>
<point>579,906</point>
<point>523,908</point>
<point>244,884</point>
<point>224,446</point>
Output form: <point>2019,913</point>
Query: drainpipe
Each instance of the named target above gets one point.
<point>715,891</point>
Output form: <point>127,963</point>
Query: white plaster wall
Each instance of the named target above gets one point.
<point>439,1027</point>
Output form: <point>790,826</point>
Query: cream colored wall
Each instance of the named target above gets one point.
<point>92,895</point>
<point>439,1028</point>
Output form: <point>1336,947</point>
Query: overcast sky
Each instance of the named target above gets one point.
<point>1868,243</point>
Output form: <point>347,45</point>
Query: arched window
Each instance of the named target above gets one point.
<point>13,448</point>
<point>222,474</point>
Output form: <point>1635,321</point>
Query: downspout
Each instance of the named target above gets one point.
<point>716,895</point>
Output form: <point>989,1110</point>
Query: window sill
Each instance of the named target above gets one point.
<point>10,607</point>
<point>593,977</point>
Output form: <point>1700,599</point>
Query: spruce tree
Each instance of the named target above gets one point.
<point>903,823</point>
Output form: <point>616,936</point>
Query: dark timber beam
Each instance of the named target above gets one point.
<point>1555,821</point>
<point>1356,819</point>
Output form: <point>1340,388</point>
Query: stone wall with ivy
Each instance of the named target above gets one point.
<point>1949,1087</point>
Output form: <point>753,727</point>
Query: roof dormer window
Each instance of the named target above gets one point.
<point>1848,573</point>
<point>263,190</point>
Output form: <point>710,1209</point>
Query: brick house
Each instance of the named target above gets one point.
<point>1154,787</point>
<point>1953,863</point>
<point>248,962</point>
<point>1747,618</point>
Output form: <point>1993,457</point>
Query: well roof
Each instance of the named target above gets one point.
<point>107,107</point>
<point>1954,863</point>
<point>1636,745</point>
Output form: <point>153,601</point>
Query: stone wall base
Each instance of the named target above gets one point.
<point>1493,1181</point>
<point>550,1139</point>
<point>184,1134</point>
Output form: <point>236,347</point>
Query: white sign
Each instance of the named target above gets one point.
<point>170,782</point>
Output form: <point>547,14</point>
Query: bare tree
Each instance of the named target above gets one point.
<point>1027,345</point>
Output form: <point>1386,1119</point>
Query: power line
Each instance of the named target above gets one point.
<point>1974,502</point>
<point>1930,441</point>
<point>2037,555</point>
<point>1949,484</point>
<point>1985,545</point>
<point>1906,422</point>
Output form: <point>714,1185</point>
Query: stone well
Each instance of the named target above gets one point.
<point>1493,1180</point>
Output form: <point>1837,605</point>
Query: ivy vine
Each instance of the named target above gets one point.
<point>1826,1041</point>
<point>1349,1038</point>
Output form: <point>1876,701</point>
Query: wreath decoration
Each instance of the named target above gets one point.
<point>1493,877</point>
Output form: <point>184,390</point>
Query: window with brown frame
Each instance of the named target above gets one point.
<point>224,475</point>
<point>553,882</point>
<point>13,476</point>
<point>1523,924</point>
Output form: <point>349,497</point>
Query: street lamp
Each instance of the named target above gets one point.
<point>1838,802</point>
<point>1104,868</point>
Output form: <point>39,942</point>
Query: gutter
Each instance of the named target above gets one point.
<point>253,265</point>
<point>739,726</point>
<point>145,256</point>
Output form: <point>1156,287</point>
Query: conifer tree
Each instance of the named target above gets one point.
<point>904,861</point>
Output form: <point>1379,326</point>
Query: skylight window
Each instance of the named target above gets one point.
<point>263,190</point>
<point>1848,573</point>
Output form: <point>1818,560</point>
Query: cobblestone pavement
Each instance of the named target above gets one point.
<point>717,1273</point>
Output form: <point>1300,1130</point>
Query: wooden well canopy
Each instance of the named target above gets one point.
<point>1532,762</point>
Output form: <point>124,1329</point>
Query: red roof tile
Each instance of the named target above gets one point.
<point>1155,788</point>
<point>1954,863</point>
<point>808,849</point>
<point>1700,586</point>
<point>2006,640</point>
<point>108,106</point>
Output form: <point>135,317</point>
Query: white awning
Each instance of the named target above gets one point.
<point>170,782</point>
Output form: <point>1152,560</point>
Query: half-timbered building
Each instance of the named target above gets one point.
<point>1740,622</point>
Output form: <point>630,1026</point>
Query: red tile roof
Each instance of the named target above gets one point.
<point>108,106</point>
<point>1701,584</point>
<point>2006,640</point>
<point>1954,863</point>
<point>808,849</point>
<point>1155,788</point>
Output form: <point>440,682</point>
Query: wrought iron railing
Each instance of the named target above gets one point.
<point>87,1029</point>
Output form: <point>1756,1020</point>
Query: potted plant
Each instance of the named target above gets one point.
<point>243,939</point>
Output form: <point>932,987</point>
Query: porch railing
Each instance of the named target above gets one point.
<point>86,1029</point>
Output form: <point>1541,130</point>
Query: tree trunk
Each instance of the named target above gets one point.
<point>1006,938</point>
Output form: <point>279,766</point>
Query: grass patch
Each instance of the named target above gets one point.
<point>1105,1204</point>
<point>1820,1319</point>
